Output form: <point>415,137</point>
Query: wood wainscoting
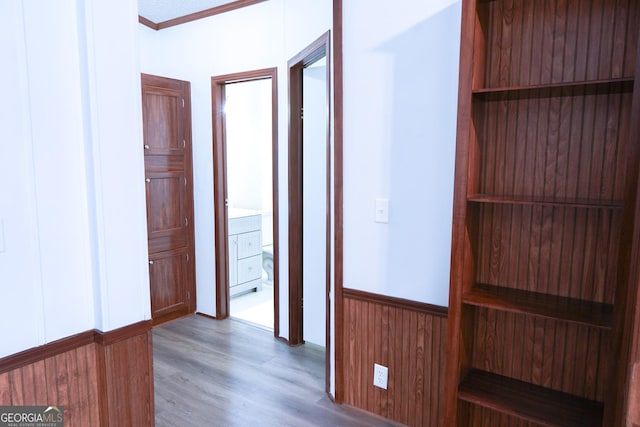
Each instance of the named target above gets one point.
<point>410,339</point>
<point>101,378</point>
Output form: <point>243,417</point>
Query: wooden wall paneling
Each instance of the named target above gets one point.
<point>5,389</point>
<point>407,337</point>
<point>107,381</point>
<point>568,31</point>
<point>129,381</point>
<point>66,379</point>
<point>626,340</point>
<point>556,355</point>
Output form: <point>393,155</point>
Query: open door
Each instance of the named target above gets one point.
<point>310,196</point>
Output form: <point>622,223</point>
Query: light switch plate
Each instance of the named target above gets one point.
<point>382,210</point>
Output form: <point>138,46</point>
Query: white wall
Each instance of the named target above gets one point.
<point>400,97</point>
<point>248,123</point>
<point>73,251</point>
<point>116,163</point>
<point>260,36</point>
<point>314,210</point>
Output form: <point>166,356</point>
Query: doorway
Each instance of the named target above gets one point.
<point>245,196</point>
<point>310,196</point>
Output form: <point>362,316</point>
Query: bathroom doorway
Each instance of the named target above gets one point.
<point>245,196</point>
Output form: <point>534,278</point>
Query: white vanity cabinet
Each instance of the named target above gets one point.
<point>245,251</point>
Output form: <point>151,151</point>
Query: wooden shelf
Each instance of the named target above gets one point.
<point>546,161</point>
<point>556,89</point>
<point>588,313</point>
<point>529,402</point>
<point>545,201</point>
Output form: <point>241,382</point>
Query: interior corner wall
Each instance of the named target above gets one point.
<point>400,105</point>
<point>261,36</point>
<point>115,164</point>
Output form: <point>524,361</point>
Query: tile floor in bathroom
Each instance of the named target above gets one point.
<point>255,307</point>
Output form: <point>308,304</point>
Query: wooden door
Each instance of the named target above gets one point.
<point>168,174</point>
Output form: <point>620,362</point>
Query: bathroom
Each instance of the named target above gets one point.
<point>248,131</point>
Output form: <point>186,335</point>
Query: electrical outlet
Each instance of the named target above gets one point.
<point>380,376</point>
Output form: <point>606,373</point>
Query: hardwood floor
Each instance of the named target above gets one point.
<point>229,373</point>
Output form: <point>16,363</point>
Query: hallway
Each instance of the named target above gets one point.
<point>228,373</point>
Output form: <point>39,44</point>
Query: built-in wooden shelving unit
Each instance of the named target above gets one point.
<point>529,402</point>
<point>546,171</point>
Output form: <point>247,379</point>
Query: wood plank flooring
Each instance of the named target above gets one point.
<point>229,373</point>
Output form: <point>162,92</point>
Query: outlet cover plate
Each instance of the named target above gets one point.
<point>380,376</point>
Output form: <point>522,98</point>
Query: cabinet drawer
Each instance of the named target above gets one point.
<point>249,244</point>
<point>233,264</point>
<point>245,224</point>
<point>249,269</point>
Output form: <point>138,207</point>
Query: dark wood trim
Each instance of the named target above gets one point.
<point>207,13</point>
<point>328,191</point>
<point>276,201</point>
<point>220,187</point>
<point>63,345</point>
<point>208,316</point>
<point>35,354</point>
<point>121,334</point>
<point>295,205</point>
<point>625,343</point>
<point>221,230</point>
<point>147,22</point>
<point>405,304</point>
<point>338,103</point>
<point>283,340</point>
<point>457,361</point>
<point>316,50</point>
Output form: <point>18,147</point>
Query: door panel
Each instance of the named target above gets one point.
<point>168,172</point>
<point>164,204</point>
<point>169,275</point>
<point>164,131</point>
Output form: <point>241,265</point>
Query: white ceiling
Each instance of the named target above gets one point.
<point>164,10</point>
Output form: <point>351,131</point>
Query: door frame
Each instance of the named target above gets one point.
<point>220,194</point>
<point>316,50</point>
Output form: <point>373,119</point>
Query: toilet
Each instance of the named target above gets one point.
<point>267,261</point>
